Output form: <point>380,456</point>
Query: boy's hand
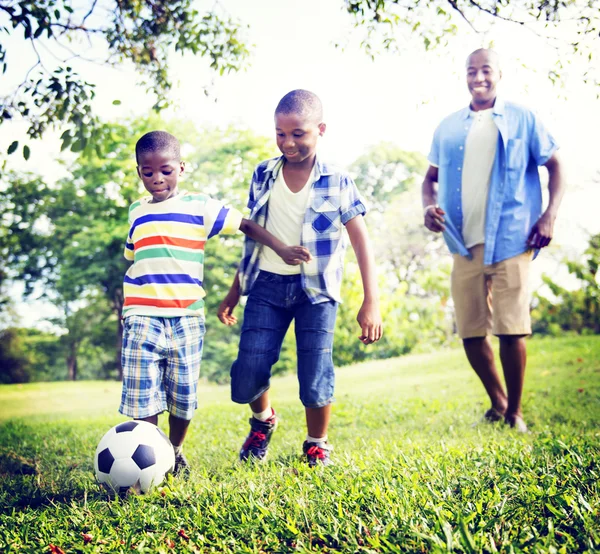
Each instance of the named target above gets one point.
<point>225,311</point>
<point>369,320</point>
<point>294,255</point>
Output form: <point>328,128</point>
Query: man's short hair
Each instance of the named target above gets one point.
<point>301,102</point>
<point>158,140</point>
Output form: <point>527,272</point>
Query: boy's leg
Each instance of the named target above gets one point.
<point>317,421</point>
<point>185,340</point>
<point>266,320</point>
<point>143,360</point>
<point>314,326</point>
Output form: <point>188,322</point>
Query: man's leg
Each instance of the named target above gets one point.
<point>481,357</point>
<point>513,355</point>
<point>512,323</point>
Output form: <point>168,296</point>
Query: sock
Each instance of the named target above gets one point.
<point>316,441</point>
<point>178,449</point>
<point>264,415</point>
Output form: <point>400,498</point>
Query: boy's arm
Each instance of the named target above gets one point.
<point>231,300</point>
<point>369,317</point>
<point>291,255</point>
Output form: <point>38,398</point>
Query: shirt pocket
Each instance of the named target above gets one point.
<point>326,214</point>
<point>515,155</point>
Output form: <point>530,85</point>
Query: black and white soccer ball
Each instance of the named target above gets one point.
<point>133,454</point>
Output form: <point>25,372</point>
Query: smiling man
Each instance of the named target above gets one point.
<point>483,191</point>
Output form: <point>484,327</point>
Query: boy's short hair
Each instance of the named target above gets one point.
<point>301,102</point>
<point>158,140</point>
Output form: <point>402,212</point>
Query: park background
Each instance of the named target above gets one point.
<point>412,473</point>
<point>64,213</point>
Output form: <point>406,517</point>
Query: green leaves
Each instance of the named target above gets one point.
<point>139,32</point>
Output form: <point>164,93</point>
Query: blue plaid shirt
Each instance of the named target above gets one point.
<point>515,195</point>
<point>333,201</point>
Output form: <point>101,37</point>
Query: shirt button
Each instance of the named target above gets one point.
<point>460,147</point>
<point>459,169</point>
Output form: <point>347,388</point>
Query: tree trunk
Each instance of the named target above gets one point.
<point>118,307</point>
<point>72,362</point>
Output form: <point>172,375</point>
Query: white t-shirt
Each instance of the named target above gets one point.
<point>480,152</point>
<point>285,219</point>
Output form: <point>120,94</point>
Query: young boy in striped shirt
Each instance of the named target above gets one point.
<point>163,309</point>
<point>298,197</point>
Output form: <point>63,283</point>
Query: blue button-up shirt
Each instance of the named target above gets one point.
<point>515,197</point>
<point>333,201</point>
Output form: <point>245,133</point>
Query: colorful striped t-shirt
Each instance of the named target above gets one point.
<point>166,244</point>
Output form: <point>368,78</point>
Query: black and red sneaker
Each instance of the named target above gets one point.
<point>257,442</point>
<point>317,453</point>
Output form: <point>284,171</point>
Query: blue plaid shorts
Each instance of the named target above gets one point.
<point>161,365</point>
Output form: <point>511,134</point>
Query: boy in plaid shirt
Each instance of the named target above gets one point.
<point>298,196</point>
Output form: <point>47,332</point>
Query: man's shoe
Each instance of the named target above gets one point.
<point>182,467</point>
<point>516,422</point>
<point>317,453</point>
<point>493,416</point>
<point>257,442</point>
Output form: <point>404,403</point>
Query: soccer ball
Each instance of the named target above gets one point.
<point>133,454</point>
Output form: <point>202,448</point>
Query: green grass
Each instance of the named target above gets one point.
<point>411,474</point>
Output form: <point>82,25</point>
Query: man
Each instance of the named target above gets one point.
<point>482,190</point>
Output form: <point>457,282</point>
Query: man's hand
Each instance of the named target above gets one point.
<point>541,233</point>
<point>434,219</point>
<point>225,311</point>
<point>369,320</point>
<point>294,255</point>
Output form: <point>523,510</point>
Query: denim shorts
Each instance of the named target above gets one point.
<point>161,365</point>
<point>274,301</point>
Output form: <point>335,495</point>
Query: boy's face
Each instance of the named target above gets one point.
<point>160,171</point>
<point>297,136</point>
<point>483,75</point>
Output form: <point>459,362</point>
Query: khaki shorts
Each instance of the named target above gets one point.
<point>492,298</point>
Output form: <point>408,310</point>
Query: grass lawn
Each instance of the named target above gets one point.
<point>412,474</point>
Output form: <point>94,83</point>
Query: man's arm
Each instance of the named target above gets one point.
<point>369,317</point>
<point>432,213</point>
<point>291,255</point>
<point>542,232</point>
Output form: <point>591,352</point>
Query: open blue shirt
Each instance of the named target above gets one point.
<point>515,195</point>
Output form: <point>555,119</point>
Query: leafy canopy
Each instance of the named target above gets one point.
<point>142,32</point>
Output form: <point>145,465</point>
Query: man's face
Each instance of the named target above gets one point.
<point>483,74</point>
<point>297,136</point>
<point>159,171</point>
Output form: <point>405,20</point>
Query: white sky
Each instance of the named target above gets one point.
<point>399,99</point>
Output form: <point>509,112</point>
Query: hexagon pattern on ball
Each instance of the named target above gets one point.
<point>133,455</point>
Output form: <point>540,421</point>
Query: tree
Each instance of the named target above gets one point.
<point>571,27</point>
<point>577,310</point>
<point>67,238</point>
<point>142,32</point>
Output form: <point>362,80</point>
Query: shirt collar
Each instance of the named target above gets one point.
<point>321,169</point>
<point>498,109</point>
